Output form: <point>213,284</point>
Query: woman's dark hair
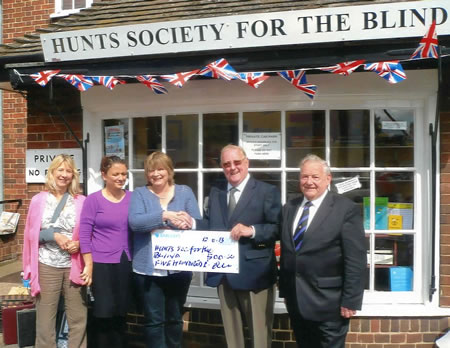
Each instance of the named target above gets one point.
<point>108,161</point>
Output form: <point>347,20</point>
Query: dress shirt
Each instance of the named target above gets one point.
<point>237,195</point>
<point>315,204</point>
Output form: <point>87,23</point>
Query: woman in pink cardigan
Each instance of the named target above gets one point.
<point>51,255</point>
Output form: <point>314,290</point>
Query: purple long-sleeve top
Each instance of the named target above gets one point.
<point>104,228</point>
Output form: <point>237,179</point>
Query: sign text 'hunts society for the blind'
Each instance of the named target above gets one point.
<point>199,251</point>
<point>325,24</point>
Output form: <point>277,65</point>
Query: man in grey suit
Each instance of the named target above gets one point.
<point>323,259</point>
<point>251,210</point>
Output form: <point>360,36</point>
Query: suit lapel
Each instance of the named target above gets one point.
<point>245,198</point>
<point>321,214</point>
<point>291,213</point>
<point>224,205</point>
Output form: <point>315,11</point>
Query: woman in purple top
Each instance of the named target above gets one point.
<point>104,245</point>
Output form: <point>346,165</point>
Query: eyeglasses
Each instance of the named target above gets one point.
<point>236,163</point>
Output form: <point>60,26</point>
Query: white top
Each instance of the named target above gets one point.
<point>315,204</point>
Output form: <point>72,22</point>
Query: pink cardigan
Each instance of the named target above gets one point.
<point>30,254</point>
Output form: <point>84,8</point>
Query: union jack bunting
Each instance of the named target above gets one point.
<point>43,77</point>
<point>83,83</point>
<point>181,78</point>
<point>428,46</point>
<point>253,79</point>
<point>152,83</point>
<point>220,69</point>
<point>107,81</point>
<point>391,71</point>
<point>298,79</point>
<point>345,68</point>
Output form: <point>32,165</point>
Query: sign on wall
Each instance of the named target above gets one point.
<point>266,146</point>
<point>325,24</point>
<point>38,161</point>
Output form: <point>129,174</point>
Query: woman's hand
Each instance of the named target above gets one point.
<point>86,275</point>
<point>73,247</point>
<point>62,240</point>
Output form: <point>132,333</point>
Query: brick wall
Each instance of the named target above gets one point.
<point>203,329</point>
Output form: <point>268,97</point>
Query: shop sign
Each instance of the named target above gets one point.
<point>38,161</point>
<point>266,146</point>
<point>325,24</point>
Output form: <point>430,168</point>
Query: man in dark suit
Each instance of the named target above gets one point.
<point>251,210</point>
<point>323,259</point>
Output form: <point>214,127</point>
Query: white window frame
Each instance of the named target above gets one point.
<point>59,12</point>
<point>335,92</point>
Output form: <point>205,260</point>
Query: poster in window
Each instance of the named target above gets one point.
<point>115,141</point>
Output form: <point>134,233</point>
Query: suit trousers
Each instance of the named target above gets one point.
<point>317,334</point>
<point>54,282</point>
<point>256,307</point>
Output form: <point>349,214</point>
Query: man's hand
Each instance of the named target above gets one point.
<point>241,230</point>
<point>347,313</point>
<point>179,219</point>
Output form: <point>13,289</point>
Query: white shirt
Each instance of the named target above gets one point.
<point>239,188</point>
<point>315,204</point>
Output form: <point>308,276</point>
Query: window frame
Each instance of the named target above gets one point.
<point>59,12</point>
<point>423,106</point>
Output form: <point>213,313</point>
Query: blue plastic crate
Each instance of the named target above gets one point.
<point>401,278</point>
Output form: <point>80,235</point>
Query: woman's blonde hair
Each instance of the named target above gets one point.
<point>157,160</point>
<point>50,183</point>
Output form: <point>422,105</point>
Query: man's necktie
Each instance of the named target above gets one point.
<point>232,201</point>
<point>301,227</point>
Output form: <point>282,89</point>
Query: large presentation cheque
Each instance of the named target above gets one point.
<point>198,251</point>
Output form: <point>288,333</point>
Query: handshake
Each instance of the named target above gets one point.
<point>178,219</point>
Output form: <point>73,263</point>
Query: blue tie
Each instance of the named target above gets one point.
<point>301,227</point>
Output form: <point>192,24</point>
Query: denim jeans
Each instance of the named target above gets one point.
<point>162,300</point>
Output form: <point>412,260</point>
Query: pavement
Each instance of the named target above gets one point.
<point>9,278</point>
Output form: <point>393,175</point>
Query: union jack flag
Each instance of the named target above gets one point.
<point>345,68</point>
<point>43,77</point>
<point>181,78</point>
<point>392,71</point>
<point>428,46</point>
<point>152,83</point>
<point>107,81</point>
<point>83,83</point>
<point>253,79</point>
<point>298,79</point>
<point>220,69</point>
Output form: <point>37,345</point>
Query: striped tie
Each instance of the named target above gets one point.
<point>301,227</point>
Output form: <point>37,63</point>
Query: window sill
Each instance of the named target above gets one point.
<point>65,13</point>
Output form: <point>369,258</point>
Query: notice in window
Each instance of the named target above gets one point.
<point>198,251</point>
<point>404,212</point>
<point>265,146</point>
<point>115,141</point>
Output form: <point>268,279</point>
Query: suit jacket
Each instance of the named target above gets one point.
<point>328,271</point>
<point>260,206</point>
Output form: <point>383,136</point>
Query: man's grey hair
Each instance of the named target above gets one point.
<point>314,158</point>
<point>233,147</point>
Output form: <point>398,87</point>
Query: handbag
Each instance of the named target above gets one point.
<point>47,234</point>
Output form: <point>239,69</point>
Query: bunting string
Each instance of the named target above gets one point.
<point>391,71</point>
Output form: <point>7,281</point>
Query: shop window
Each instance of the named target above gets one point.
<point>66,7</point>
<point>373,147</point>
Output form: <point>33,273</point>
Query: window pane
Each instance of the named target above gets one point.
<point>218,130</point>
<point>115,138</point>
<point>188,179</point>
<point>67,4</point>
<point>263,122</point>
<point>292,185</point>
<point>147,139</point>
<point>349,138</point>
<point>305,133</point>
<point>182,140</point>
<point>211,180</point>
<point>270,178</point>
<point>394,208</point>
<point>393,259</point>
<point>356,195</point>
<point>394,138</point>
<point>80,3</point>
<point>139,179</point>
